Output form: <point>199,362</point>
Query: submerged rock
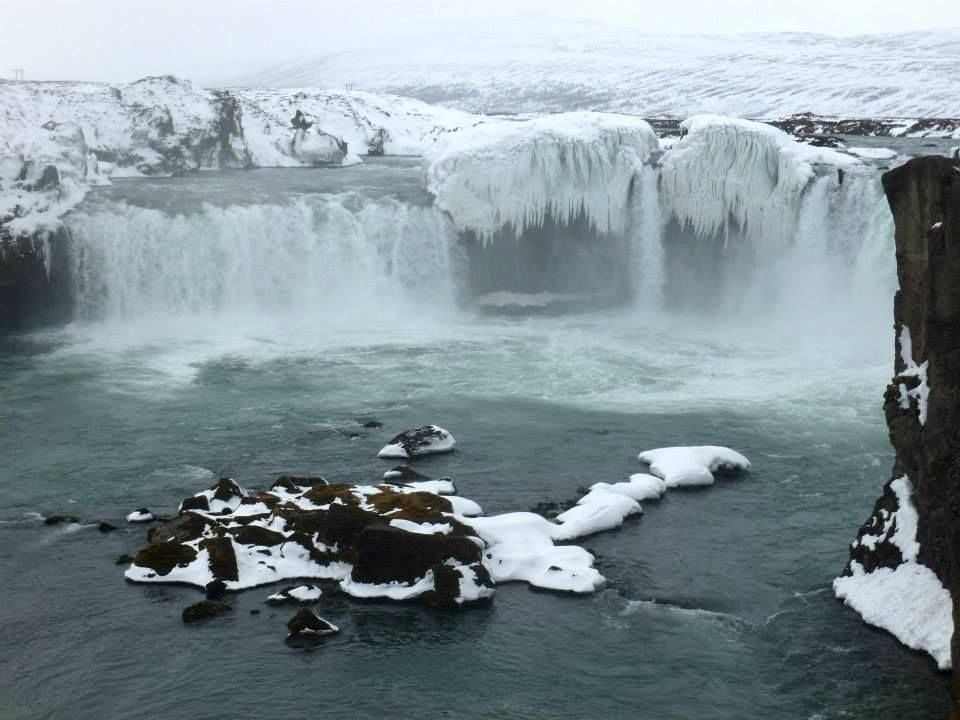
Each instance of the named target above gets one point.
<point>306,628</point>
<point>426,440</point>
<point>204,610</point>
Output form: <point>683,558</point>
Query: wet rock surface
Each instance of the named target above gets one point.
<point>306,629</point>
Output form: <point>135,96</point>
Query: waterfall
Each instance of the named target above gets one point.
<point>319,255</point>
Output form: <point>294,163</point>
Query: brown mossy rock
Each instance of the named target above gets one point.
<point>386,554</point>
<point>186,526</point>
<point>221,558</point>
<point>204,610</point>
<point>164,557</point>
<point>326,494</point>
<point>338,525</point>
<point>256,535</point>
<point>415,506</point>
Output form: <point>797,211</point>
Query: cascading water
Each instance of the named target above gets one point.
<point>735,219</point>
<point>323,255</point>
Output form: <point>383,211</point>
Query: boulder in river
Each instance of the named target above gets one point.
<point>426,440</point>
<point>307,628</point>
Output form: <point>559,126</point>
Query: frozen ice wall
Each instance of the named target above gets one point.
<point>515,174</point>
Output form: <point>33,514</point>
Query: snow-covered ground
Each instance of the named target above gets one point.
<point>570,66</point>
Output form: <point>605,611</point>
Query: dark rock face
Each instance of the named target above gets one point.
<point>34,279</point>
<point>924,427</point>
<point>223,561</point>
<point>387,554</point>
<point>204,610</point>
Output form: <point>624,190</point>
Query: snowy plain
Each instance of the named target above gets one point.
<point>592,66</point>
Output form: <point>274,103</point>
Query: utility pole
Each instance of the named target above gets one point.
<point>18,74</point>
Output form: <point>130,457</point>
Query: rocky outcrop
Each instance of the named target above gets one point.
<point>913,535</point>
<point>393,541</point>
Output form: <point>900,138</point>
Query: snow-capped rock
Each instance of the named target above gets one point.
<point>307,626</point>
<point>141,515</point>
<point>295,594</point>
<point>426,440</point>
<point>695,465</point>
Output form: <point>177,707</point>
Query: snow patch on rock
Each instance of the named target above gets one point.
<point>921,389</point>
<point>908,601</point>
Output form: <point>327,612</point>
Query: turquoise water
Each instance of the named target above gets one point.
<point>717,603</point>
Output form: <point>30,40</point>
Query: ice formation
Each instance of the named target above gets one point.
<point>515,173</point>
<point>727,170</point>
<point>908,601</point>
<point>692,466</point>
<point>921,391</point>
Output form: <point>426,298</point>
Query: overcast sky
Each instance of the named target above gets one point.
<point>122,40</point>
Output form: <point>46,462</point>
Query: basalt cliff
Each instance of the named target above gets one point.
<point>904,570</point>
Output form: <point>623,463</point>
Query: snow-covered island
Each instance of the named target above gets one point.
<point>396,540</point>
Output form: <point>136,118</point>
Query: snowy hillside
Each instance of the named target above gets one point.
<point>58,138</point>
<point>582,66</point>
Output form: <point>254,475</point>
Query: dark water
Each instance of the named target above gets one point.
<point>717,603</point>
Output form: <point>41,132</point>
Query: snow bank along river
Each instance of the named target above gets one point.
<point>561,299</point>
